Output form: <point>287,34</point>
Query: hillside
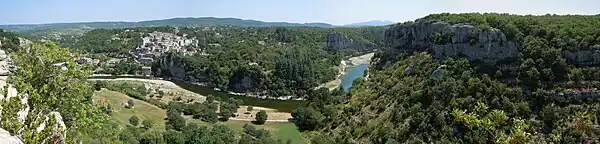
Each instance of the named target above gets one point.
<point>178,22</point>
<point>472,78</point>
<point>278,62</point>
<point>370,23</point>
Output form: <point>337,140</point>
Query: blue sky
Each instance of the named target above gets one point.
<point>329,11</point>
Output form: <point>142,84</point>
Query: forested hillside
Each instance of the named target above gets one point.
<point>444,78</point>
<point>273,61</point>
<point>178,22</point>
<point>417,94</point>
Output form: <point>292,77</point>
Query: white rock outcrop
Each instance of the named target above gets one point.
<point>6,138</point>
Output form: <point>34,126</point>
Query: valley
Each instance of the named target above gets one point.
<point>439,78</point>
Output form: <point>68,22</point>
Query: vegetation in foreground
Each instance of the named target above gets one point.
<point>147,112</point>
<point>395,105</point>
<point>65,90</point>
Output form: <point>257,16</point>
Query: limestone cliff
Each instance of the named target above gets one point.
<point>584,57</point>
<point>339,41</point>
<point>486,45</point>
<point>170,66</point>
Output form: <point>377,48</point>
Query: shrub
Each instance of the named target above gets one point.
<point>130,103</point>
<point>134,120</point>
<point>261,117</point>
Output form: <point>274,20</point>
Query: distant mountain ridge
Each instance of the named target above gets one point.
<point>370,23</point>
<point>188,22</point>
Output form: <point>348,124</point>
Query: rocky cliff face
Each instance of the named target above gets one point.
<point>584,57</point>
<point>339,41</point>
<point>169,66</point>
<point>488,46</point>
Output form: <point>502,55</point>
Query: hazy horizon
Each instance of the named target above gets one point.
<point>335,12</point>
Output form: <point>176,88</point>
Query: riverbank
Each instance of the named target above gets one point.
<point>343,69</point>
<point>182,88</point>
<point>363,59</point>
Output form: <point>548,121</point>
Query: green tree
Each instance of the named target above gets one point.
<point>210,99</point>
<point>225,114</point>
<point>98,85</point>
<point>148,123</point>
<point>134,120</point>
<point>49,89</point>
<point>235,102</point>
<point>307,118</point>
<point>152,136</point>
<point>174,120</point>
<point>129,135</point>
<point>174,137</point>
<point>191,109</point>
<point>261,117</point>
<point>130,103</point>
<point>208,113</point>
<point>175,106</point>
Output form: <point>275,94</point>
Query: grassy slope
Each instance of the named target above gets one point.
<point>146,110</point>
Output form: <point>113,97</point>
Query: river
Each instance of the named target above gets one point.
<point>356,69</point>
<point>279,105</point>
<point>352,73</point>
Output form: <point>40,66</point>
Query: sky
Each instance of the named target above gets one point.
<point>336,12</point>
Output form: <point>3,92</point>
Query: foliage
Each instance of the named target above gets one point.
<point>174,137</point>
<point>130,103</point>
<point>261,117</point>
<point>48,88</point>
<point>123,66</point>
<point>132,89</point>
<point>210,99</point>
<point>252,135</point>
<point>225,114</point>
<point>461,106</point>
<point>307,118</point>
<point>134,120</point>
<point>208,113</point>
<point>147,123</point>
<point>180,22</point>
<point>174,120</point>
<point>244,62</point>
<point>567,32</point>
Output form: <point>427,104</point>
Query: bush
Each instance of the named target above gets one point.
<point>135,90</point>
<point>210,98</point>
<point>134,120</point>
<point>99,85</point>
<point>108,110</point>
<point>261,117</point>
<point>250,108</point>
<point>148,123</point>
<point>225,114</point>
<point>157,102</point>
<point>191,109</point>
<point>130,103</point>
